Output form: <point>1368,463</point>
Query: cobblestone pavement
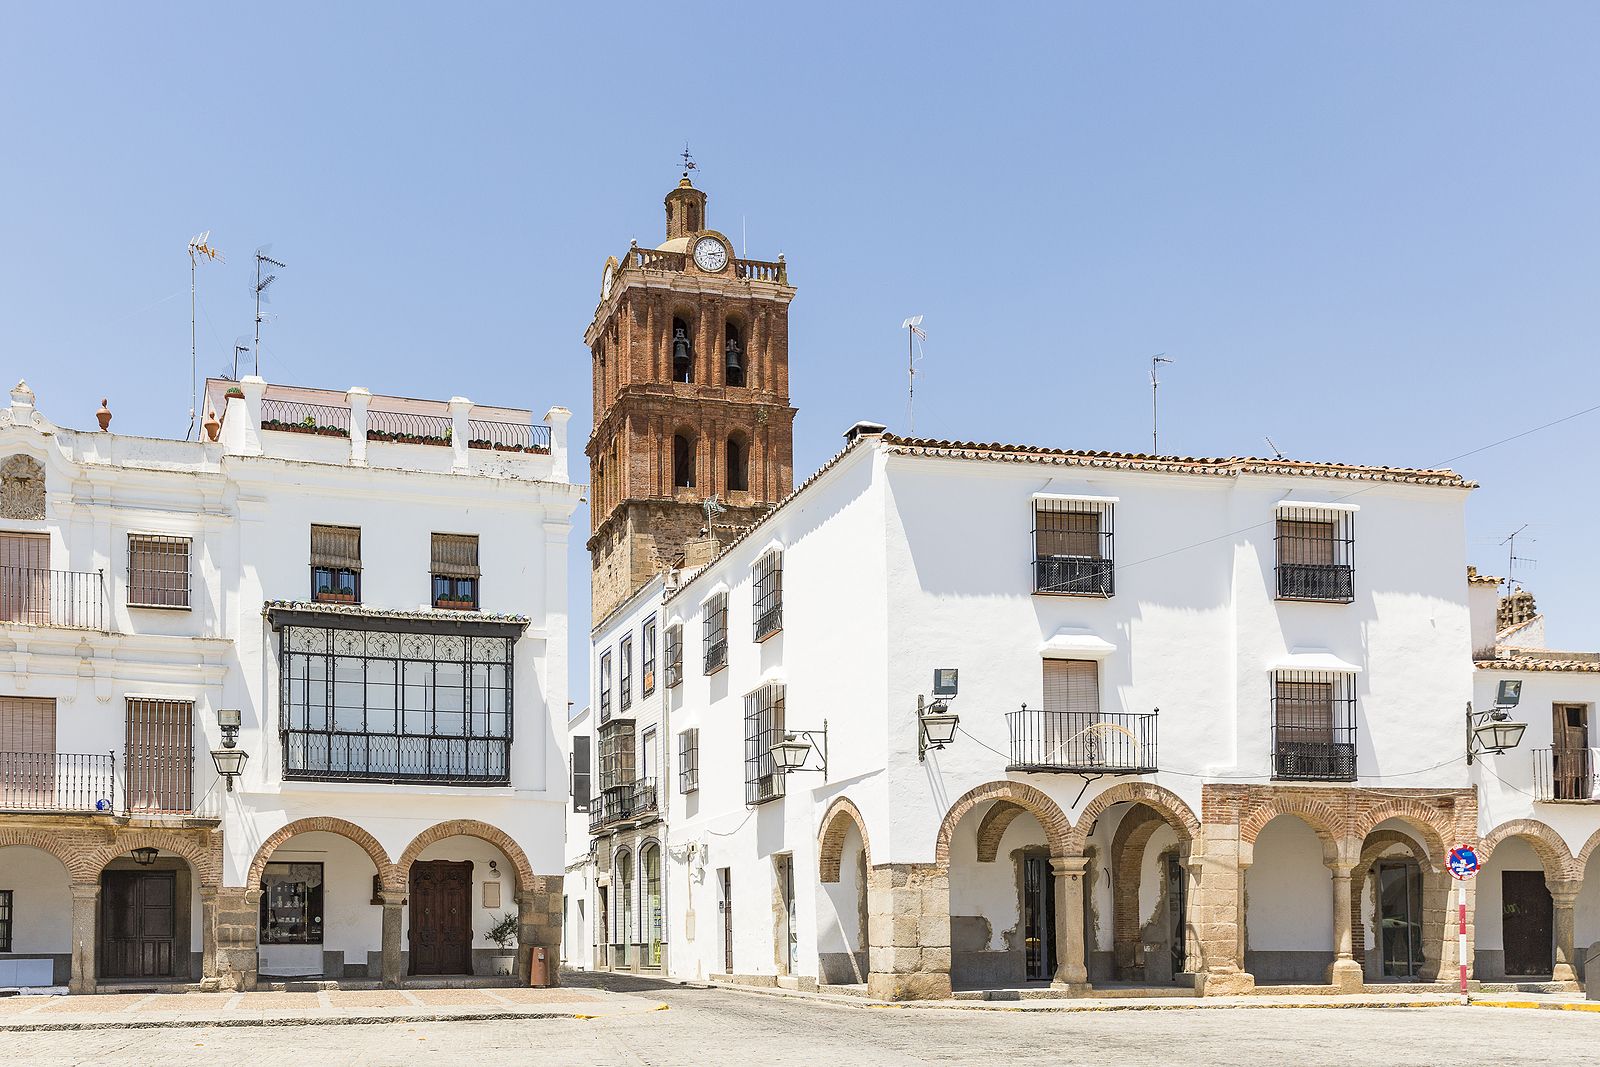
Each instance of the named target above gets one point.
<point>716,1026</point>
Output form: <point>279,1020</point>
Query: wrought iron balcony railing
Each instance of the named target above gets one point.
<point>336,756</point>
<point>1082,741</point>
<point>58,781</point>
<point>1084,575</point>
<point>70,599</point>
<point>1566,775</point>
<point>1331,760</point>
<point>629,802</point>
<point>1316,581</point>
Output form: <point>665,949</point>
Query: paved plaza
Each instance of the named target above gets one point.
<point>627,1026</point>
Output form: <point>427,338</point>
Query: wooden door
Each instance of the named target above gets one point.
<point>138,924</point>
<point>1570,756</point>
<point>1526,923</point>
<point>25,578</point>
<point>441,917</point>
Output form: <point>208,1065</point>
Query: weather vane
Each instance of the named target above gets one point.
<point>688,160</point>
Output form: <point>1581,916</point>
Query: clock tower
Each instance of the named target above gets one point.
<point>690,353</point>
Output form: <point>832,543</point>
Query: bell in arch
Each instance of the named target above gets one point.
<point>735,363</point>
<point>680,345</point>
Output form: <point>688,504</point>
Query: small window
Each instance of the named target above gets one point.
<point>336,564</point>
<point>1314,726</point>
<point>158,571</point>
<point>763,728</point>
<point>738,466</point>
<point>605,687</point>
<point>768,595</point>
<point>625,677</point>
<point>455,571</point>
<point>1072,546</point>
<point>682,462</point>
<point>291,904</point>
<point>1316,554</point>
<point>689,761</point>
<point>5,920</point>
<point>647,754</point>
<point>674,655</point>
<point>733,360</point>
<point>647,657</point>
<point>716,633</point>
<point>582,773</point>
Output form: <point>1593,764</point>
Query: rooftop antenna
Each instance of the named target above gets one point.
<point>238,346</point>
<point>914,331</point>
<point>1512,559</point>
<point>263,259</point>
<point>688,160</point>
<point>200,247</point>
<point>712,507</point>
<point>1155,383</point>
<point>1276,451</point>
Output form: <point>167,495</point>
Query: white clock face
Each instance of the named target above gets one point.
<point>606,280</point>
<point>710,254</point>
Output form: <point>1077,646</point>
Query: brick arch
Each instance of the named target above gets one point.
<point>325,824</point>
<point>207,865</point>
<point>1164,802</point>
<point>1128,847</point>
<point>996,821</point>
<point>1589,848</point>
<point>1432,832</point>
<point>466,828</point>
<point>1314,813</point>
<point>1057,827</point>
<point>75,861</point>
<point>836,823</point>
<point>1372,845</point>
<point>1548,845</point>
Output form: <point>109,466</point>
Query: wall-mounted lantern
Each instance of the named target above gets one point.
<point>229,760</point>
<point>145,856</point>
<point>792,753</point>
<point>1492,732</point>
<point>936,723</point>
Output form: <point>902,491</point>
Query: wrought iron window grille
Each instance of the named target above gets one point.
<point>763,728</point>
<point>1314,726</point>
<point>625,674</point>
<point>158,571</point>
<point>647,657</point>
<point>674,666</point>
<point>767,595</point>
<point>716,633</point>
<point>1315,549</point>
<point>689,761</point>
<point>1074,547</point>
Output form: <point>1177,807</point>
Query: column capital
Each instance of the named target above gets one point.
<point>1070,866</point>
<point>85,890</point>
<point>392,898</point>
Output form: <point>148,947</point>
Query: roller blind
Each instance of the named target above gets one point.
<point>336,547</point>
<point>1072,685</point>
<point>455,555</point>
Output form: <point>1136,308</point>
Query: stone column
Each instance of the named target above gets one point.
<point>539,926</point>
<point>1344,973</point>
<point>908,932</point>
<point>208,938</point>
<point>393,912</point>
<point>1217,905</point>
<point>232,917</point>
<point>460,433</point>
<point>1072,974</point>
<point>1563,895</point>
<point>360,401</point>
<point>85,915</point>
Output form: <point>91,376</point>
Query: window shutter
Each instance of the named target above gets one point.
<point>1072,685</point>
<point>581,773</point>
<point>26,551</point>
<point>160,755</point>
<point>1305,543</point>
<point>27,724</point>
<point>455,555</point>
<point>336,547</point>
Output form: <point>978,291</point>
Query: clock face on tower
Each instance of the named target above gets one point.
<point>710,254</point>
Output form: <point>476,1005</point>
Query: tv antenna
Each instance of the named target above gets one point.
<point>1155,383</point>
<point>200,247</point>
<point>238,347</point>
<point>712,507</point>
<point>688,160</point>
<point>1276,451</point>
<point>1512,559</point>
<point>263,259</point>
<point>914,332</point>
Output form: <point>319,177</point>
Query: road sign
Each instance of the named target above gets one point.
<point>1463,862</point>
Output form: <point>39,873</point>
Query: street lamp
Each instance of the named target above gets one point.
<point>229,760</point>
<point>794,750</point>
<point>1493,731</point>
<point>145,856</point>
<point>936,723</point>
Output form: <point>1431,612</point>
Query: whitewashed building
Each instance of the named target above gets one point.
<point>363,598</point>
<point>1211,730</point>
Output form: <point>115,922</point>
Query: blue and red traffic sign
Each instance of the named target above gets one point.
<point>1463,862</point>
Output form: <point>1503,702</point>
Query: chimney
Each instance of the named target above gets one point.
<point>864,429</point>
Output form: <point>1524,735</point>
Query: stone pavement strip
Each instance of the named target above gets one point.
<point>137,1010</point>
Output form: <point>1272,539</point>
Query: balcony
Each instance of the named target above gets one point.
<point>57,781</point>
<point>1322,760</point>
<point>655,259</point>
<point>1565,776</point>
<point>355,756</point>
<point>1078,575</point>
<point>1316,581</point>
<point>1082,742</point>
<point>630,803</point>
<point>73,600</point>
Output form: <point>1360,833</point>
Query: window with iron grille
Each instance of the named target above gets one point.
<point>605,687</point>
<point>647,657</point>
<point>455,571</point>
<point>582,773</point>
<point>336,564</point>
<point>689,761</point>
<point>5,920</point>
<point>763,728</point>
<point>158,759</point>
<point>616,755</point>
<point>1316,553</point>
<point>768,595</point>
<point>395,706</point>
<point>716,633</point>
<point>158,571</point>
<point>625,675</point>
<point>1314,726</point>
<point>1072,546</point>
<point>674,655</point>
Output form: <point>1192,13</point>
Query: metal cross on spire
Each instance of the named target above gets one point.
<point>688,160</point>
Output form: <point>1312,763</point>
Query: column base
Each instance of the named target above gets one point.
<point>924,986</point>
<point>1224,983</point>
<point>1346,977</point>
<point>1072,989</point>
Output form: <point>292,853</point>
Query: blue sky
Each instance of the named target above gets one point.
<point>1367,230</point>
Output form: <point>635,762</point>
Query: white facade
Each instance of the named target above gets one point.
<point>900,557</point>
<point>326,781</point>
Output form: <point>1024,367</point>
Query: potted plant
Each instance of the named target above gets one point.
<point>233,392</point>
<point>344,594</point>
<point>504,934</point>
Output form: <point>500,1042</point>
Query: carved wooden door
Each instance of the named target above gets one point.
<point>441,917</point>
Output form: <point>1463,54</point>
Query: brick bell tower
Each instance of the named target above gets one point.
<point>690,351</point>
